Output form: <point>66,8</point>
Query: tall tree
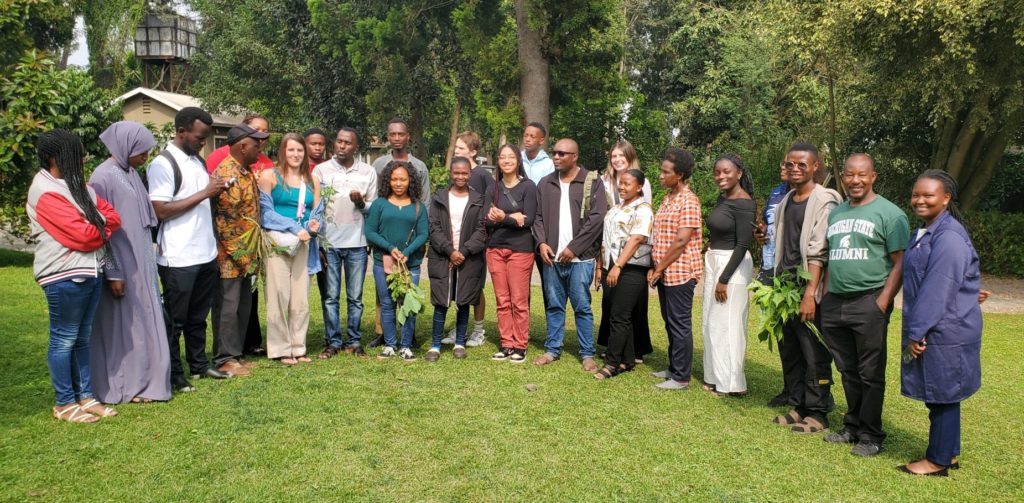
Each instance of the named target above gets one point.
<point>534,68</point>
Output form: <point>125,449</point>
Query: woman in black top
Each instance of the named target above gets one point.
<point>728,269</point>
<point>511,205</point>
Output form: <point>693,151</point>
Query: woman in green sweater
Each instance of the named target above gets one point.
<point>396,229</point>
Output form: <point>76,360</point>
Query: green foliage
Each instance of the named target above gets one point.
<point>36,97</point>
<point>410,299</point>
<point>34,24</point>
<point>997,239</point>
<point>778,303</point>
<point>109,32</point>
<point>258,244</point>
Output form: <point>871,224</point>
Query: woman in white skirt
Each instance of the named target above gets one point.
<point>728,270</point>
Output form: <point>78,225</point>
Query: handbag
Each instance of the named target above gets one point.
<point>642,256</point>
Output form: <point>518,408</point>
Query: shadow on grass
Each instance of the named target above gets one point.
<point>11,258</point>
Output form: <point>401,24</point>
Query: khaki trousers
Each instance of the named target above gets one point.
<point>287,299</point>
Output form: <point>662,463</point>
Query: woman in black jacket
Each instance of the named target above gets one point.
<point>455,258</point>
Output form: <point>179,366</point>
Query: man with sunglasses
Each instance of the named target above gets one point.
<point>801,223</point>
<point>568,229</point>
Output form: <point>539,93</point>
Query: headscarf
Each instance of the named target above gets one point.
<point>125,139</point>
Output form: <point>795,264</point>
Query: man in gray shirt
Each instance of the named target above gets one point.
<point>398,139</point>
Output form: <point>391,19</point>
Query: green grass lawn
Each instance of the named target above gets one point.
<point>362,429</point>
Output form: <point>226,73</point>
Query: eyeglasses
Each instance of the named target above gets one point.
<point>560,153</point>
<point>792,165</point>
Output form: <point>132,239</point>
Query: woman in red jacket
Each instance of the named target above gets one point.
<point>72,227</point>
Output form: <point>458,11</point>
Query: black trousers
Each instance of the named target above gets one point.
<point>807,369</point>
<point>188,294</point>
<point>621,301</point>
<point>231,307</point>
<point>253,332</point>
<point>856,331</point>
<point>677,312</point>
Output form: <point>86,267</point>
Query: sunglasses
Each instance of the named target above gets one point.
<point>561,153</point>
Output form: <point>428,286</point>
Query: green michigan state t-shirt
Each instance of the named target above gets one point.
<point>860,239</point>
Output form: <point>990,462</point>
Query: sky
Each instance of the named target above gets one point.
<point>81,55</point>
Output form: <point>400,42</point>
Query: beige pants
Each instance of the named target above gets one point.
<point>287,294</point>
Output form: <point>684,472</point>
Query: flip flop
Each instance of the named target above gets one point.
<point>74,414</point>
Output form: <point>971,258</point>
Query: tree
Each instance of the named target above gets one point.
<point>534,68</point>
<point>109,34</point>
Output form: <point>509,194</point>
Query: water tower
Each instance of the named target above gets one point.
<point>165,43</point>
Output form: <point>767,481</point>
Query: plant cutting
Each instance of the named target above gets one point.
<point>778,303</point>
<point>256,244</point>
<point>408,296</point>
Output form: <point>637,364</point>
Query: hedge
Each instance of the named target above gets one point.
<point>999,239</point>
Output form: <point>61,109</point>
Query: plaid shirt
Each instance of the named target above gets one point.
<point>678,211</point>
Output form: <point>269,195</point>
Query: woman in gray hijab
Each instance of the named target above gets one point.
<point>129,356</point>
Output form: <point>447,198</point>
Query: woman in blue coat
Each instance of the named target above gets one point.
<point>941,319</point>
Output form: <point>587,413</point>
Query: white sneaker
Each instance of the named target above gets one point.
<point>406,355</point>
<point>450,339</point>
<point>388,352</point>
<point>477,338</point>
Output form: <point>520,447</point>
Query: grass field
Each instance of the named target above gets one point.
<point>362,429</point>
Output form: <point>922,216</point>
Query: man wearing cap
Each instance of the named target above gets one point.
<point>235,212</point>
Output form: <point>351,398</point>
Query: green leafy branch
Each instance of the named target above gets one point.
<point>327,194</point>
<point>256,244</point>
<point>408,296</point>
<point>778,303</point>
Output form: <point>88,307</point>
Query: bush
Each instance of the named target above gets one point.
<point>997,238</point>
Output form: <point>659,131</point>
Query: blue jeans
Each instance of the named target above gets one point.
<point>569,283</point>
<point>461,324</point>
<point>72,308</point>
<point>388,319</point>
<point>354,262</point>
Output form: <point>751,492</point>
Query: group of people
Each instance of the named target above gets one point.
<point>106,248</point>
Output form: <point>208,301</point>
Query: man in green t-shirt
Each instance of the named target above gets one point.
<point>866,238</point>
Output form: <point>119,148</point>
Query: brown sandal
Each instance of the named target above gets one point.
<point>808,425</point>
<point>545,359</point>
<point>328,353</point>
<point>791,418</point>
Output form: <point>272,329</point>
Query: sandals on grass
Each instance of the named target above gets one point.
<point>809,425</point>
<point>92,405</point>
<point>790,418</point>
<point>74,414</point>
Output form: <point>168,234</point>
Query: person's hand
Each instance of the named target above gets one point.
<point>721,292</point>
<point>314,226</point>
<point>216,187</point>
<point>547,255</point>
<point>456,258</point>
<point>760,233</point>
<point>303,235</point>
<point>883,303</point>
<point>597,279</point>
<point>983,295</point>
<point>495,215</point>
<point>566,257</point>
<point>917,348</point>
<point>356,197</point>
<point>807,307</point>
<point>519,218</point>
<point>116,287</point>
<point>652,278</point>
<point>613,275</point>
<point>397,255</point>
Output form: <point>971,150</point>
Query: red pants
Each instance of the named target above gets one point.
<point>510,275</point>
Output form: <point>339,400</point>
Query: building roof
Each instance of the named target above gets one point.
<point>178,101</point>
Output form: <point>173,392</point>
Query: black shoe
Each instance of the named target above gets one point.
<point>356,350</point>
<point>181,385</point>
<point>780,400</point>
<point>842,436</point>
<point>376,342</point>
<point>212,373</point>
<point>866,449</point>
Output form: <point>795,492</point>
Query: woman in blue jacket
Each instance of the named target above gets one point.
<point>941,319</point>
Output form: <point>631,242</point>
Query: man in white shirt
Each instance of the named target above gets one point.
<point>180,191</point>
<point>353,187</point>
<point>568,227</point>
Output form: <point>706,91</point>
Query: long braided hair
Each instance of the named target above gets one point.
<point>67,150</point>
<point>951,188</point>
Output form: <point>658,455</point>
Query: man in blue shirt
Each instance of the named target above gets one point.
<point>535,160</point>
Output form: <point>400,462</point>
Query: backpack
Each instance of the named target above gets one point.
<point>588,188</point>
<point>166,154</point>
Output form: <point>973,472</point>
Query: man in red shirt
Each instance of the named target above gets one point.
<point>316,146</point>
<point>260,124</point>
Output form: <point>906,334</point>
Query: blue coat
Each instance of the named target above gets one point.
<point>941,280</point>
